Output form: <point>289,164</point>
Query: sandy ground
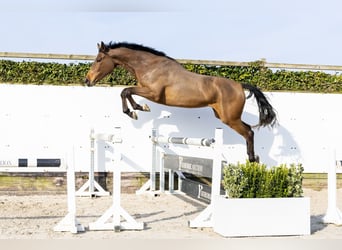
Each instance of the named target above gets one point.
<point>165,217</point>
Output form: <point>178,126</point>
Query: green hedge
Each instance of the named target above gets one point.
<point>256,74</point>
<point>56,73</point>
<point>255,180</point>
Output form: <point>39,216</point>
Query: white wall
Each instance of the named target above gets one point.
<point>53,121</point>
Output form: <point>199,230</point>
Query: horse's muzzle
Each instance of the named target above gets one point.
<point>87,82</point>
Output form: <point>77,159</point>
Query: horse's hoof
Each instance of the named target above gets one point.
<point>256,159</point>
<point>134,116</point>
<point>146,108</point>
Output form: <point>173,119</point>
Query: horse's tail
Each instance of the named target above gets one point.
<point>267,114</point>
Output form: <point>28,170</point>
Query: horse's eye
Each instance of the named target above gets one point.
<point>98,59</point>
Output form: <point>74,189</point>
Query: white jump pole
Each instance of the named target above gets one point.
<point>333,214</point>
<point>70,222</point>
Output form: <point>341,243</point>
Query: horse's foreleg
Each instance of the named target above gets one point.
<point>126,94</point>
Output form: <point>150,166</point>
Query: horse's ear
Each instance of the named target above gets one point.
<point>102,47</point>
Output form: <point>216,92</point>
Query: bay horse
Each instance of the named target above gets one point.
<point>163,80</point>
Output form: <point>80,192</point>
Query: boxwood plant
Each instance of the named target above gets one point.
<point>255,180</point>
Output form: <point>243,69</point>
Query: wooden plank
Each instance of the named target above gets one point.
<point>183,61</point>
<point>46,56</point>
<point>27,183</point>
<point>213,62</point>
<point>196,190</point>
<point>194,165</point>
<point>303,66</point>
<point>55,182</point>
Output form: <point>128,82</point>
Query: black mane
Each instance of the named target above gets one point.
<point>115,45</point>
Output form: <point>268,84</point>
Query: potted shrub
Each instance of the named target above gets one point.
<point>261,201</point>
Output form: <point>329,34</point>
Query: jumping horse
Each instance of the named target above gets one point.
<point>163,80</point>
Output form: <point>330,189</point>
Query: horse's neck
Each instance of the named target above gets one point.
<point>128,58</point>
<point>136,62</point>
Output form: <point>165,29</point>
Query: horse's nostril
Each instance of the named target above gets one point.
<point>87,82</point>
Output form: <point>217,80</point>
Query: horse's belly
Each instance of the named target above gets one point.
<point>186,100</point>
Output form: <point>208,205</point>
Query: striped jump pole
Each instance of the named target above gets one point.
<point>184,140</point>
<point>31,162</point>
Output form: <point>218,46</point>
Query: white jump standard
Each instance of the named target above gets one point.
<point>111,219</point>
<point>92,187</point>
<point>204,219</point>
<point>333,214</point>
<point>70,223</point>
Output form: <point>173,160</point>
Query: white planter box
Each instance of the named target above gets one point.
<point>261,216</point>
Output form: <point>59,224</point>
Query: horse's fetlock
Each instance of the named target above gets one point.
<point>126,111</point>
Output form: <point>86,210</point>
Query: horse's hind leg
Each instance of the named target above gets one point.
<point>243,129</point>
<point>126,94</point>
<point>246,131</point>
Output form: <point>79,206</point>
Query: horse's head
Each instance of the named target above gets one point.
<point>102,66</point>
